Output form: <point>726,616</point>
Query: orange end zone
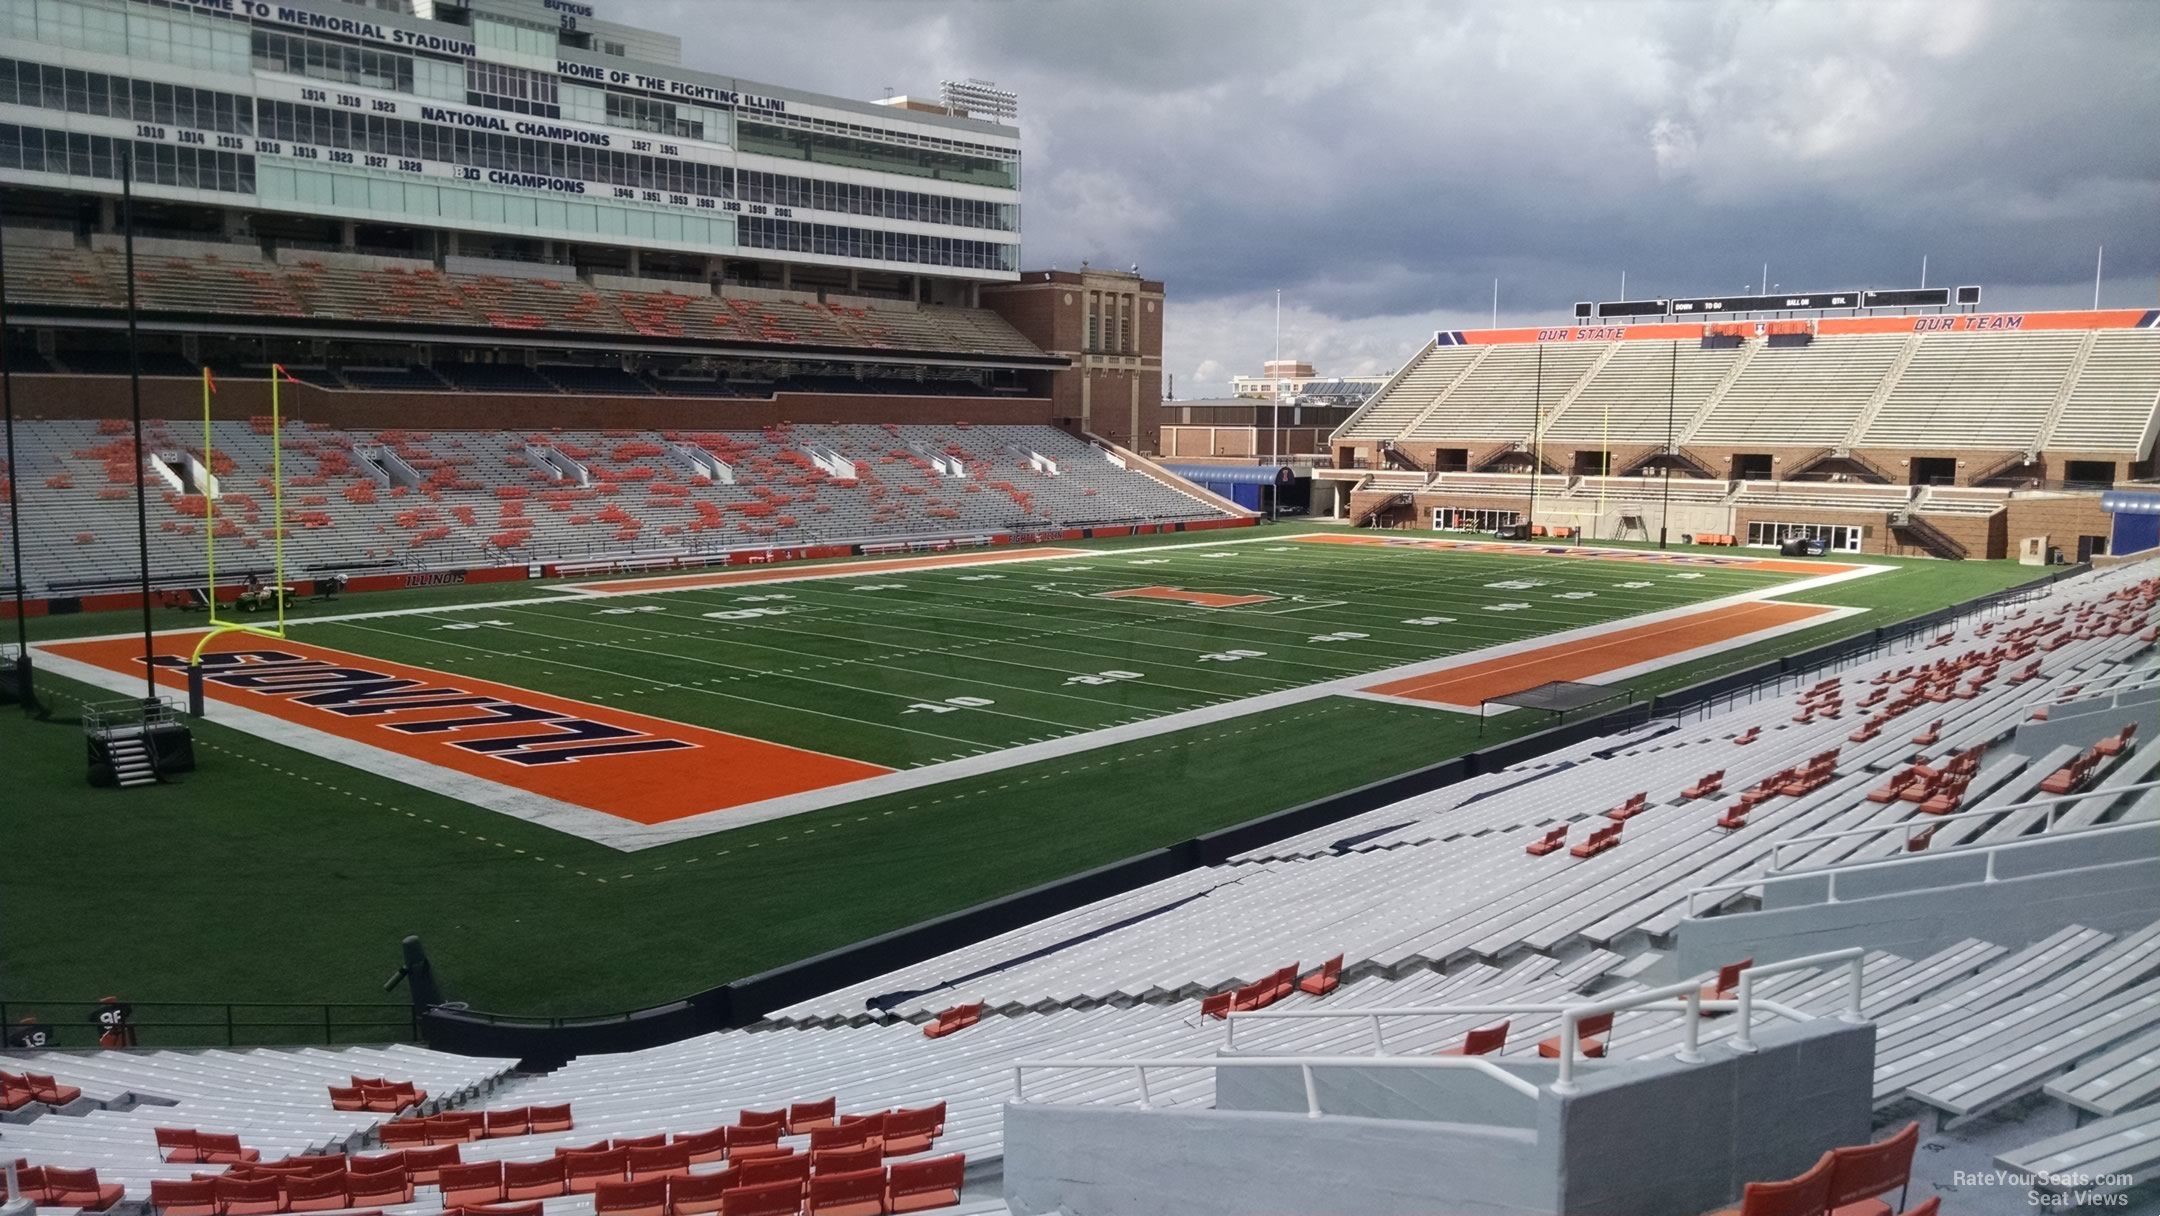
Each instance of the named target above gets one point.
<point>1178,595</point>
<point>1469,685</point>
<point>690,582</point>
<point>643,769</point>
<point>1655,557</point>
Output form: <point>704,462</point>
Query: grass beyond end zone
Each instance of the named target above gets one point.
<point>274,875</point>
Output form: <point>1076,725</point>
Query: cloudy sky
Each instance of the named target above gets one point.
<point>1383,161</point>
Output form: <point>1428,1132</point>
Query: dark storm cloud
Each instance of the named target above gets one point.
<point>1382,163</point>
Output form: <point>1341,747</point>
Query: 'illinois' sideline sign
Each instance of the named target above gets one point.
<point>628,765</point>
<point>1178,595</point>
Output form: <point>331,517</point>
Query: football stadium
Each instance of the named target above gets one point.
<point>589,637</point>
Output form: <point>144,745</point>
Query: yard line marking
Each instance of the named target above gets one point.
<point>710,692</point>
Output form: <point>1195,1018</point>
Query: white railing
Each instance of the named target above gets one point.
<point>1832,872</point>
<point>1654,1000</point>
<point>1852,958</point>
<point>1304,1065</point>
<point>1912,826</point>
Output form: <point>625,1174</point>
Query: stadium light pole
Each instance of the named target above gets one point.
<point>1672,390</point>
<point>1537,407</point>
<point>142,506</point>
<point>1275,382</point>
<point>23,687</point>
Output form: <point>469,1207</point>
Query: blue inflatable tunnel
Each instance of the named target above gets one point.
<point>2136,520</point>
<point>1240,483</point>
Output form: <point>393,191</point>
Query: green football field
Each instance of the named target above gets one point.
<point>277,874</point>
<point>911,667</point>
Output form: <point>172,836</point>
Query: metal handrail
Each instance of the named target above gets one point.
<point>1934,821</point>
<point>230,1021</point>
<point>1652,1000</point>
<point>1304,1065</point>
<point>1831,872</point>
<point>1853,957</point>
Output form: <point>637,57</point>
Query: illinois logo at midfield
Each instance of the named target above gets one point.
<point>1193,599</point>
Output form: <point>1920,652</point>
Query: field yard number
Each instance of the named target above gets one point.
<point>1505,607</point>
<point>1430,620</point>
<point>1576,595</point>
<point>979,578</point>
<point>1105,677</point>
<point>948,705</point>
<point>1071,569</point>
<point>1635,586</point>
<point>1516,584</point>
<point>629,611</point>
<point>475,625</point>
<point>760,599</point>
<point>746,614</point>
<point>882,587</point>
<point>1685,574</point>
<point>1339,636</point>
<point>1232,656</point>
<point>1149,561</point>
<point>1215,555</point>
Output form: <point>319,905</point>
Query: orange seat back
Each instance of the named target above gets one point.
<point>914,1185</point>
<point>764,1171</point>
<point>697,1194</point>
<point>772,1199</point>
<point>1806,1195</point>
<point>1485,1040</point>
<point>803,1116</point>
<point>648,1198</point>
<point>845,1161</point>
<point>1864,1171</point>
<point>848,1192</point>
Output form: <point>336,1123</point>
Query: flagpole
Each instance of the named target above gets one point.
<point>142,506</point>
<point>22,574</point>
<point>209,486</point>
<point>277,492</point>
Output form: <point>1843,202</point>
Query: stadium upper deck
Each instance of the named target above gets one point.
<point>523,130</point>
<point>2003,388</point>
<point>1951,434</point>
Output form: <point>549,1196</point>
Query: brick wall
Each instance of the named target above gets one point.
<point>2062,519</point>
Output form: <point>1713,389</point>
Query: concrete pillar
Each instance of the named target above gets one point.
<point>234,224</point>
<point>1138,443</point>
<point>450,244</point>
<point>1087,407</point>
<point>108,214</point>
<point>787,276</point>
<point>637,262</point>
<point>854,281</point>
<point>348,235</point>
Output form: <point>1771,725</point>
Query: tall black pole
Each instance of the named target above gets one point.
<point>23,691</point>
<point>142,506</point>
<point>1537,404</point>
<point>1672,390</point>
